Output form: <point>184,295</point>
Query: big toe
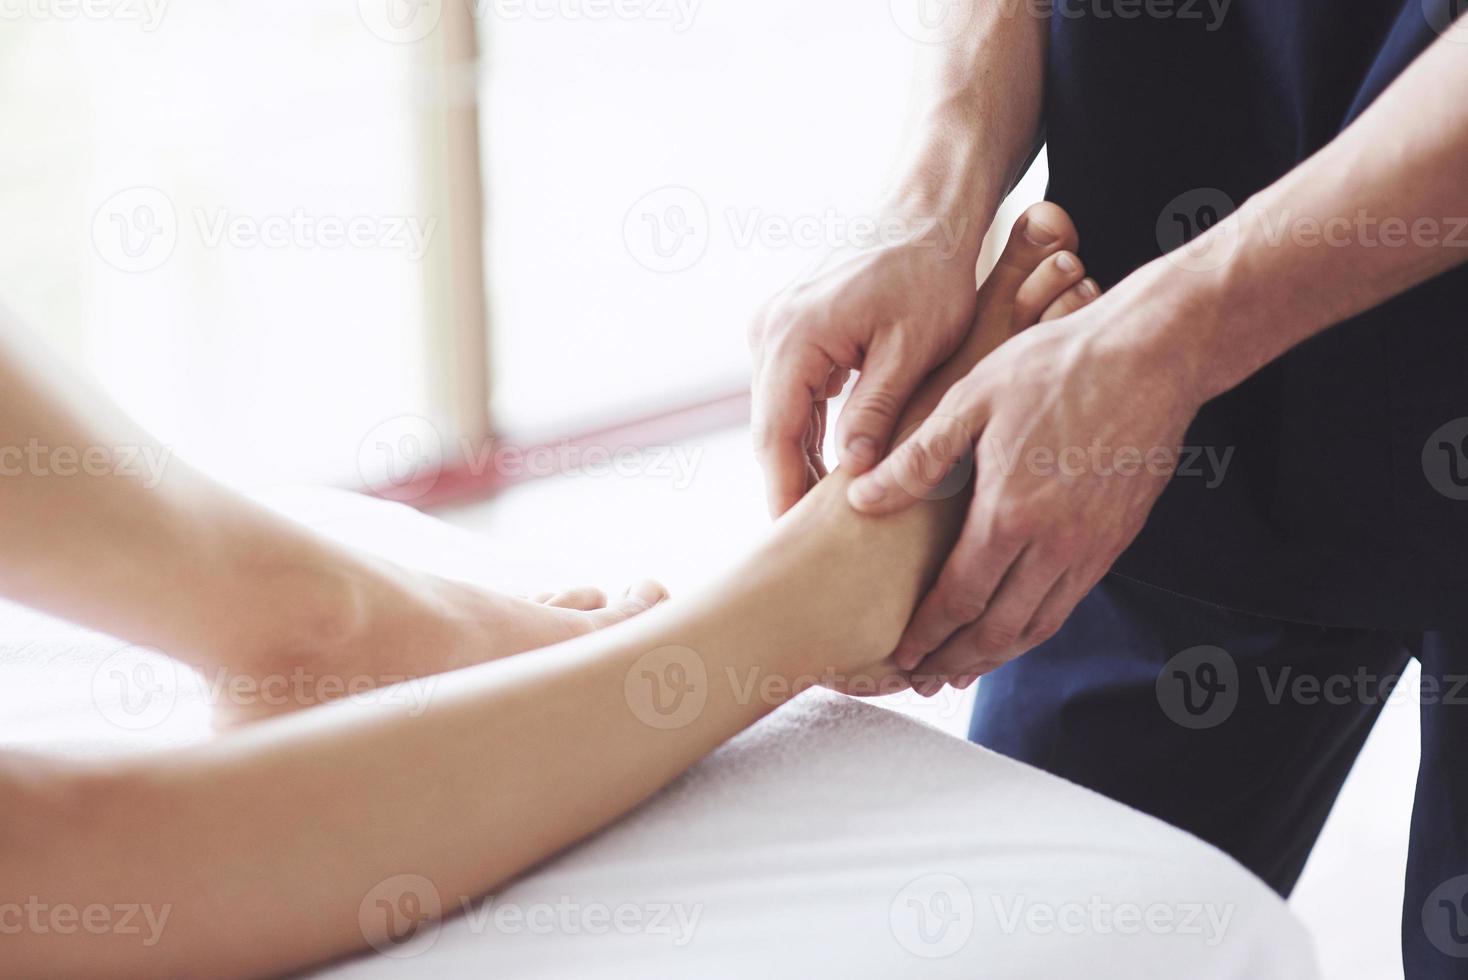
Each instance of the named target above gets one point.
<point>1041,233</point>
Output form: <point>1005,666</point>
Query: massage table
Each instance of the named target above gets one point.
<point>836,838</point>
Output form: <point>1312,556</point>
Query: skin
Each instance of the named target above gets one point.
<point>276,845</point>
<point>1131,371</point>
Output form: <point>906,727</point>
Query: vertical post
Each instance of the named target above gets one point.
<point>457,345</point>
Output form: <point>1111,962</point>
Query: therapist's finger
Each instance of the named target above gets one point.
<point>969,579</point>
<point>934,463</point>
<point>783,400</point>
<point>997,635</point>
<point>889,375</point>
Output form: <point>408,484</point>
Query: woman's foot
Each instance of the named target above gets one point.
<point>822,552</point>
<point>413,626</point>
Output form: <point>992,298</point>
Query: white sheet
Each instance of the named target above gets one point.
<point>836,839</point>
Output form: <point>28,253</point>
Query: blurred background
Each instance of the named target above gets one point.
<point>494,259</point>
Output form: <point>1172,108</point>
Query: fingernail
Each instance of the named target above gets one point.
<point>862,450</point>
<point>1089,289</point>
<point>868,490</point>
<point>1038,234</point>
<point>1066,262</point>
<point>966,681</point>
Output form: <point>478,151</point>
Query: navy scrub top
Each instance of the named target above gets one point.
<point>1345,500</point>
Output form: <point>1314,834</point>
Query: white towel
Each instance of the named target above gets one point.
<point>834,839</point>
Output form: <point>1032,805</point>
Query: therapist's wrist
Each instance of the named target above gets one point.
<point>1179,320</point>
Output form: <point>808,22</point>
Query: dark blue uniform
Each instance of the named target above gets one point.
<point>1335,545</point>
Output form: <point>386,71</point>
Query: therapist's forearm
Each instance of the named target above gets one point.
<point>975,118</point>
<point>1379,210</point>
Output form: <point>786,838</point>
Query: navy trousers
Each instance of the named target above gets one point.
<point>1241,730</point>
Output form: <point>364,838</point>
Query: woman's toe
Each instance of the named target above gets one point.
<point>1077,296</point>
<point>1045,286</point>
<point>639,598</point>
<point>585,599</point>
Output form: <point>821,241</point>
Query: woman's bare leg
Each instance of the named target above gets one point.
<point>102,525</point>
<point>265,846</point>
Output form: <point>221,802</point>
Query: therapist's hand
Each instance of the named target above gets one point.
<point>1075,425</point>
<point>893,313</point>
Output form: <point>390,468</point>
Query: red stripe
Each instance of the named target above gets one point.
<point>461,483</point>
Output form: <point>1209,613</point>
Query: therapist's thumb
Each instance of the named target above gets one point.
<point>883,387</point>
